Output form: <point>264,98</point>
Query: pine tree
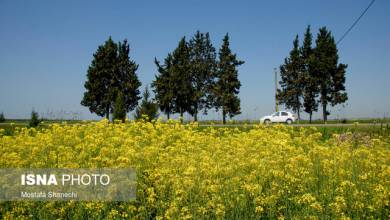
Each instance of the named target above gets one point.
<point>227,85</point>
<point>292,81</point>
<point>98,95</point>
<point>310,90</point>
<point>180,73</point>
<point>163,86</point>
<point>329,73</point>
<point>126,80</point>
<point>147,107</point>
<point>111,73</point>
<point>203,66</point>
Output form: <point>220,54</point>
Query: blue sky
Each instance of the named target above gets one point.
<point>47,46</point>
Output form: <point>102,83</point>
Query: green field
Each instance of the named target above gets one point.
<point>360,127</point>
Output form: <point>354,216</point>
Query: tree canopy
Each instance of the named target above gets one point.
<point>310,88</point>
<point>192,80</point>
<point>163,85</point>
<point>203,70</point>
<point>329,73</point>
<point>110,74</point>
<point>292,80</point>
<point>310,76</point>
<point>227,84</point>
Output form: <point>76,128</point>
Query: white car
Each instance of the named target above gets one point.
<point>281,117</point>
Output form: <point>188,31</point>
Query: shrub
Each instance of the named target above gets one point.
<point>34,121</point>
<point>148,109</point>
<point>2,118</point>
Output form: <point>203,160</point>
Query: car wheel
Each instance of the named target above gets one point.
<point>267,121</point>
<point>289,121</point>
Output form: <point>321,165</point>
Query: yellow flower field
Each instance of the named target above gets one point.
<point>188,172</point>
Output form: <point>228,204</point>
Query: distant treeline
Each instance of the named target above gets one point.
<point>191,79</point>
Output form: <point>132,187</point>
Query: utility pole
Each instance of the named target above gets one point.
<point>276,90</point>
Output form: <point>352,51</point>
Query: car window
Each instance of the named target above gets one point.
<point>275,114</point>
<point>284,114</point>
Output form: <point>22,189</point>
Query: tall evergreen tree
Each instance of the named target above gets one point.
<point>99,79</point>
<point>227,85</point>
<point>310,88</point>
<point>181,74</point>
<point>203,66</point>
<point>111,73</point>
<point>329,73</point>
<point>292,81</point>
<point>126,80</point>
<point>163,86</point>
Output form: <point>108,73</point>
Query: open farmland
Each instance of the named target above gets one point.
<point>191,173</point>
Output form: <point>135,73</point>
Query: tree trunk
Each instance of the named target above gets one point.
<point>196,115</point>
<point>108,112</point>
<point>311,114</point>
<point>181,116</point>
<point>298,108</point>
<point>168,115</point>
<point>324,112</point>
<point>223,116</point>
<point>299,114</point>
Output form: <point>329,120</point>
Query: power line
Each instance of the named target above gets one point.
<point>354,23</point>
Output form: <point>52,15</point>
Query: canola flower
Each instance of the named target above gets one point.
<point>185,172</point>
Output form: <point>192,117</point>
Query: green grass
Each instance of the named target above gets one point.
<point>370,131</point>
<point>26,121</point>
<point>230,122</point>
<point>381,130</point>
<point>316,121</point>
<point>11,125</point>
<point>348,121</point>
